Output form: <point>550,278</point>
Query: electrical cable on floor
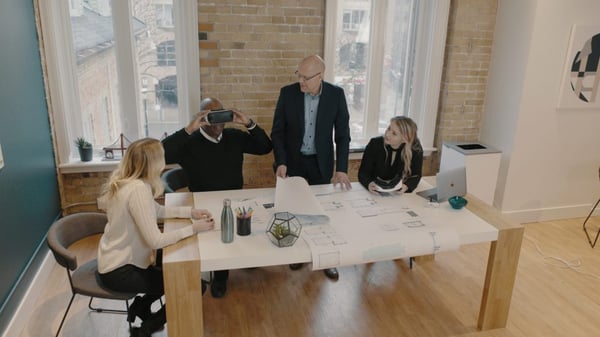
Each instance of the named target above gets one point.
<point>573,264</point>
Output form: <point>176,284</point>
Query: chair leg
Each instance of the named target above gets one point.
<point>585,229</point>
<point>409,261</point>
<point>65,315</point>
<point>127,307</point>
<point>102,310</point>
<point>112,311</point>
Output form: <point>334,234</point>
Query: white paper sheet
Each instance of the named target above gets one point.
<point>294,195</point>
<point>387,231</point>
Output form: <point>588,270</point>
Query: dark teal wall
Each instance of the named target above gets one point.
<point>29,197</point>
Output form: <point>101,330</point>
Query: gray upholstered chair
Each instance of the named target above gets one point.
<point>174,179</point>
<point>83,279</point>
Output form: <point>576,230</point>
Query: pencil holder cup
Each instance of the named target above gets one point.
<point>284,229</point>
<point>244,225</point>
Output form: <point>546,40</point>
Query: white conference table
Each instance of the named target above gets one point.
<point>184,261</point>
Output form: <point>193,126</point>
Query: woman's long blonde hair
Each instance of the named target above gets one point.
<point>144,159</point>
<point>409,129</point>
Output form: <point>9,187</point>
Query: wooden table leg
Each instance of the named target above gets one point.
<point>183,293</point>
<point>502,265</point>
<point>500,277</point>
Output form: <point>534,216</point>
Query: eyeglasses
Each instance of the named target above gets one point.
<point>305,78</point>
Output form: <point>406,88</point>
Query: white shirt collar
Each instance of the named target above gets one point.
<point>207,136</point>
<point>318,94</point>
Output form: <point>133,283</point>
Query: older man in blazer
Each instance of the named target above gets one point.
<point>309,116</point>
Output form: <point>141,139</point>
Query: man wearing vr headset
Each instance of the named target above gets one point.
<point>212,157</point>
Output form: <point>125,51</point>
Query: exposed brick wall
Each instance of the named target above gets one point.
<point>468,51</point>
<point>250,49</point>
<point>80,191</point>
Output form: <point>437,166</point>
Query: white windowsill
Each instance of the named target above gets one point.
<point>96,165</point>
<point>99,165</point>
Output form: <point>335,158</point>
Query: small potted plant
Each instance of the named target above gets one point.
<point>85,149</point>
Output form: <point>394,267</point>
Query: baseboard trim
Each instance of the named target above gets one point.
<point>27,305</point>
<point>549,214</point>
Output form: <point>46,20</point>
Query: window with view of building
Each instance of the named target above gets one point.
<point>124,78</point>
<point>352,19</point>
<point>165,53</point>
<point>387,56</point>
<point>164,14</point>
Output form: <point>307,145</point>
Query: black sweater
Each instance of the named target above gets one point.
<point>215,166</point>
<point>374,164</point>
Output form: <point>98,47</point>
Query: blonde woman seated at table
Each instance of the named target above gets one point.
<point>130,246</point>
<point>395,157</point>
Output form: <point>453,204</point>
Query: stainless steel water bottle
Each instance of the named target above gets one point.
<point>227,222</point>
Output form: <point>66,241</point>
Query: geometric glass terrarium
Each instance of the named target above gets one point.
<point>284,229</point>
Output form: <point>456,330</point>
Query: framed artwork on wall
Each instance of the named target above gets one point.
<point>581,78</point>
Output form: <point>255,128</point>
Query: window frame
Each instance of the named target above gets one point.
<point>427,70</point>
<point>61,73</point>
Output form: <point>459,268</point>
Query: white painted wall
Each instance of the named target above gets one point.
<point>550,158</point>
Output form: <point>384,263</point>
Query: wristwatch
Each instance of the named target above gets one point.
<point>251,124</point>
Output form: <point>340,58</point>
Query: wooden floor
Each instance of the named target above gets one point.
<point>435,298</point>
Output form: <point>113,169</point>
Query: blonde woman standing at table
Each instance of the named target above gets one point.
<point>131,243</point>
<point>395,157</point>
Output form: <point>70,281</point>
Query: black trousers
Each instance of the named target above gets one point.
<point>149,281</point>
<point>221,275</point>
<point>309,170</point>
<point>130,278</point>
